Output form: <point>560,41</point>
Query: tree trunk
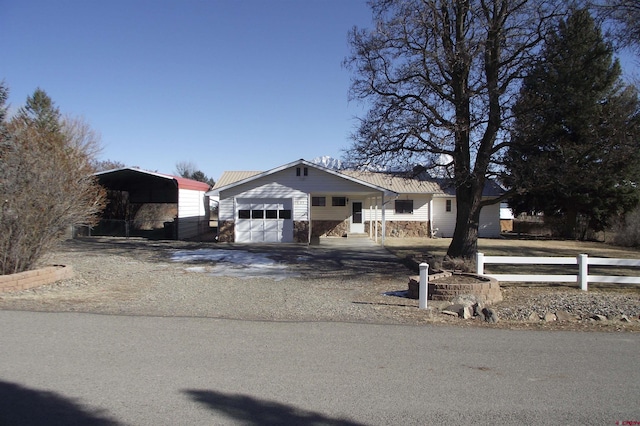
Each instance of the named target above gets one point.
<point>570,223</point>
<point>465,237</point>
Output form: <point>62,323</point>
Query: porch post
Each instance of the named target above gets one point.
<point>384,225</point>
<point>370,218</point>
<point>309,218</point>
<point>376,222</point>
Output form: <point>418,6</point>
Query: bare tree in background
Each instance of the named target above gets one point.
<point>625,17</point>
<point>46,180</point>
<point>189,170</point>
<point>104,165</point>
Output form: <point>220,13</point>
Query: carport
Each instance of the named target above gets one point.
<point>153,204</point>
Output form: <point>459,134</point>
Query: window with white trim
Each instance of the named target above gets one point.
<point>404,206</point>
<point>318,201</point>
<point>338,201</point>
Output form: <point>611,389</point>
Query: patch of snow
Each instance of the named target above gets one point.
<point>328,162</point>
<point>233,263</point>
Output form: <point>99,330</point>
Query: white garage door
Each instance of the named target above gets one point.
<point>264,221</point>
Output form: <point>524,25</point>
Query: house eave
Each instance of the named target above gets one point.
<point>301,162</point>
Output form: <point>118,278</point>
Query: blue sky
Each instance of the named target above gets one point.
<point>224,84</point>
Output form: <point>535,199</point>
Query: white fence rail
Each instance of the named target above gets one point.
<point>582,277</point>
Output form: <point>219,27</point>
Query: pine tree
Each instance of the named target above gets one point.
<point>575,152</point>
<point>40,113</point>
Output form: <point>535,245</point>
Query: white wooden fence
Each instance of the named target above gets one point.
<point>582,278</point>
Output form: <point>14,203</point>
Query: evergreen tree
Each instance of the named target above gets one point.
<point>40,113</point>
<point>575,152</point>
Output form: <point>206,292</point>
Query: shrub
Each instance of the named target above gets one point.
<point>46,181</point>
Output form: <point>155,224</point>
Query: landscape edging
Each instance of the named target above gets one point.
<point>34,278</point>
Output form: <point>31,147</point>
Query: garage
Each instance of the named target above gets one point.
<point>264,221</point>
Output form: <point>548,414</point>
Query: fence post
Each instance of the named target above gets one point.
<point>480,263</point>
<point>583,271</point>
<point>423,287</point>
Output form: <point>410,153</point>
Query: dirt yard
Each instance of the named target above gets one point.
<point>294,283</point>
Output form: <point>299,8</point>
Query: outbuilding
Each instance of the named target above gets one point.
<point>150,203</point>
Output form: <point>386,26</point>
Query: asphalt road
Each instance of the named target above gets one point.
<point>66,368</point>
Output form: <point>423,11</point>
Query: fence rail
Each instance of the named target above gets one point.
<point>582,278</point>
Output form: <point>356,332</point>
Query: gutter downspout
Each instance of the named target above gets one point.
<point>431,228</point>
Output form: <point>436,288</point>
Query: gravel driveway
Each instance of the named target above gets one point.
<point>338,280</point>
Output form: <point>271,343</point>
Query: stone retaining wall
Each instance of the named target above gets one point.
<point>300,231</point>
<point>226,231</point>
<point>35,278</point>
<point>329,228</point>
<point>401,229</point>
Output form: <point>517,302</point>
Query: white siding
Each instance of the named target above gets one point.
<point>225,209</point>
<point>286,184</point>
<point>420,209</point>
<point>329,212</point>
<point>300,208</point>
<point>489,221</point>
<point>444,222</point>
<point>191,212</point>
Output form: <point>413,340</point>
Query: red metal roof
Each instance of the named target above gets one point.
<point>128,173</point>
<point>184,183</point>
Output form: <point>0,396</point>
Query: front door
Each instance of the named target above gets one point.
<point>357,224</point>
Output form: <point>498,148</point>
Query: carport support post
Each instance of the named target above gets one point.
<point>423,287</point>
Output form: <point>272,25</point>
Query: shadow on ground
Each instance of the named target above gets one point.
<point>311,262</point>
<point>253,411</point>
<point>29,407</point>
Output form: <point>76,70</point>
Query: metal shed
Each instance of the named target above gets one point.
<point>173,207</point>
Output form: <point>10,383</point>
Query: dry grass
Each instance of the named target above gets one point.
<point>437,247</point>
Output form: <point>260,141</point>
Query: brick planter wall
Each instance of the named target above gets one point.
<point>487,289</point>
<point>35,278</point>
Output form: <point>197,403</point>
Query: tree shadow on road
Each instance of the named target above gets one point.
<point>29,407</point>
<point>253,411</point>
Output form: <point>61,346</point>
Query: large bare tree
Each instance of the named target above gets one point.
<point>439,77</point>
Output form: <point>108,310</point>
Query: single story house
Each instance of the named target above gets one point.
<point>302,201</point>
<point>176,206</point>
